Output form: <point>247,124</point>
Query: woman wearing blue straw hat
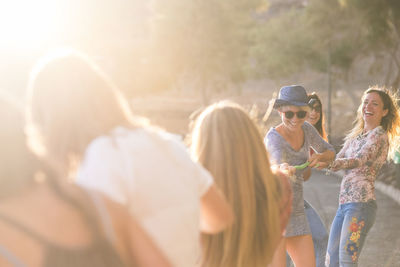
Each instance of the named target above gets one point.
<point>290,143</point>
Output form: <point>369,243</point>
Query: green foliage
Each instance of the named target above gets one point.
<point>325,33</point>
<point>380,30</point>
<point>215,43</point>
<point>206,39</point>
<point>281,45</point>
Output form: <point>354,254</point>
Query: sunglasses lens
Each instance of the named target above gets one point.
<point>301,114</point>
<point>289,114</point>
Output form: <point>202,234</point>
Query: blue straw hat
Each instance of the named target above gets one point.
<point>291,95</point>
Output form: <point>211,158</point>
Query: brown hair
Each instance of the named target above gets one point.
<point>390,123</point>
<point>320,125</point>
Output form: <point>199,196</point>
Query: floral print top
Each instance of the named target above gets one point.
<point>361,158</point>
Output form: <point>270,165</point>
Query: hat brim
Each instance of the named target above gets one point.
<point>279,103</point>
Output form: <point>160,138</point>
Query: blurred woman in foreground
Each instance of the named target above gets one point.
<point>45,221</point>
<point>229,145</point>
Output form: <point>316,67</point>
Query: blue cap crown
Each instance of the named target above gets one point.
<point>293,95</point>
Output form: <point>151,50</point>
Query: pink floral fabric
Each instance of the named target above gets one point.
<point>361,157</point>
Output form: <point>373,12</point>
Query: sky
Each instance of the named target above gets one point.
<point>103,29</point>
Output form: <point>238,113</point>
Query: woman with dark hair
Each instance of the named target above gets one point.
<point>319,232</point>
<point>316,115</point>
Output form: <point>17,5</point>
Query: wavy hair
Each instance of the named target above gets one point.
<point>390,123</point>
<point>229,145</point>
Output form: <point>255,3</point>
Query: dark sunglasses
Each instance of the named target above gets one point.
<point>300,114</point>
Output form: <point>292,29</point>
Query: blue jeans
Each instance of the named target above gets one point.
<point>348,232</point>
<point>319,235</point>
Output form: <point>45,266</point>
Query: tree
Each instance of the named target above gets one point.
<point>205,40</point>
<point>380,32</point>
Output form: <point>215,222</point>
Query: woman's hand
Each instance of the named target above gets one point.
<point>321,160</point>
<point>322,165</point>
<point>284,169</point>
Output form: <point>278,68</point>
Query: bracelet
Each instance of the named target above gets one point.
<point>328,169</point>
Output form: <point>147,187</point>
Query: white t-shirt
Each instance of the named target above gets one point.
<point>152,173</point>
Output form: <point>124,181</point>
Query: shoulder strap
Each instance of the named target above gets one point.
<point>10,257</point>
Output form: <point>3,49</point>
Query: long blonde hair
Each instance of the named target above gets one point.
<point>229,145</point>
<point>70,101</point>
<point>390,123</point>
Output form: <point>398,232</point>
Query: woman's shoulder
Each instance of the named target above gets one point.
<point>308,127</point>
<point>271,136</point>
<point>272,133</point>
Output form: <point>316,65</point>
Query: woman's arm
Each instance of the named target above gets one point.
<point>376,144</point>
<point>324,152</point>
<point>216,213</point>
<point>322,165</point>
<point>321,159</point>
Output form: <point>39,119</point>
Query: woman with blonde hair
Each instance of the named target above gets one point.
<point>229,145</point>
<point>319,232</point>
<point>85,126</point>
<point>46,221</point>
<point>290,143</point>
<point>372,140</point>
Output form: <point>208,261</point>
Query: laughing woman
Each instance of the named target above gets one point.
<point>290,143</point>
<point>366,148</point>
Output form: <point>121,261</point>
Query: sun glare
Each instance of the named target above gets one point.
<point>28,22</point>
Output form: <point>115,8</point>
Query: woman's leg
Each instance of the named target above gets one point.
<point>332,255</point>
<point>301,250</point>
<point>358,220</point>
<point>318,232</point>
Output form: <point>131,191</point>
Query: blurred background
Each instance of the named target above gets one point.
<point>171,57</point>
